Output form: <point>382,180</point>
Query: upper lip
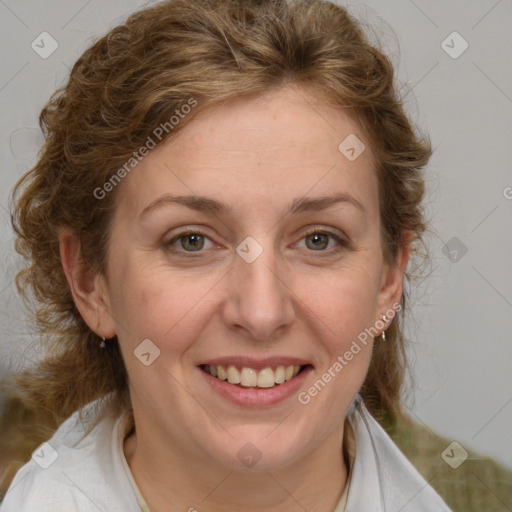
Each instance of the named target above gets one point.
<point>256,363</point>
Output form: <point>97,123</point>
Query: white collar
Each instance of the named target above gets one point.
<point>382,479</point>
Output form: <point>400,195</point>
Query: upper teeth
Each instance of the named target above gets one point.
<point>249,377</point>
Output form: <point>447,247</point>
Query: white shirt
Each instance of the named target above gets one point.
<point>73,473</point>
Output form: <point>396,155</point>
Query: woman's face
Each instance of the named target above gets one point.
<point>214,261</point>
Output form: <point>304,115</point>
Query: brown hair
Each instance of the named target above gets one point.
<point>131,81</point>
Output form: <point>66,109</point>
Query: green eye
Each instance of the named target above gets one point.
<point>192,242</point>
<point>325,243</point>
<point>189,241</point>
<point>317,241</point>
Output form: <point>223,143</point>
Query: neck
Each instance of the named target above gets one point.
<point>314,483</point>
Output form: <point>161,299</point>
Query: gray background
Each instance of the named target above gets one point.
<point>461,334</point>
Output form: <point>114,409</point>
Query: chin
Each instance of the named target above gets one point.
<point>257,451</point>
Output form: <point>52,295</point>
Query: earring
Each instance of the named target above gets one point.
<point>103,344</point>
<point>383,335</point>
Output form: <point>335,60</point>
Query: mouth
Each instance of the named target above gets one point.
<point>249,377</point>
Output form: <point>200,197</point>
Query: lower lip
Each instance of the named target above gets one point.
<point>257,397</point>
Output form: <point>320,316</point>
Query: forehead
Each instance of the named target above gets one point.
<point>284,144</point>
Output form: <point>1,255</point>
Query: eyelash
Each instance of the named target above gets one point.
<point>342,244</point>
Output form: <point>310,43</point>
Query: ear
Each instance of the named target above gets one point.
<point>392,278</point>
<point>88,288</point>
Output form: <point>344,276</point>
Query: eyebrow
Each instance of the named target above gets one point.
<point>208,205</point>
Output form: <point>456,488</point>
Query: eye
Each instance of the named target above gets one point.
<point>322,240</point>
<point>189,241</point>
<point>316,239</point>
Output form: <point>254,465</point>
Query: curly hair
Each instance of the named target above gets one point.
<point>131,81</point>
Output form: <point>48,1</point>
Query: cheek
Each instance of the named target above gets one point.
<point>161,306</point>
<point>345,311</point>
<point>344,301</point>
<point>342,307</point>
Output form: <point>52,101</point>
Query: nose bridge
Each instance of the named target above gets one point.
<point>259,300</point>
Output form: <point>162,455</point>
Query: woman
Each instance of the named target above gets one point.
<point>218,231</point>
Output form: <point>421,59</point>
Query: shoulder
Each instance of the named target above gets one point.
<point>477,483</point>
<point>73,471</point>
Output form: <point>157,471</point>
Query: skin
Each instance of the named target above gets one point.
<point>257,155</point>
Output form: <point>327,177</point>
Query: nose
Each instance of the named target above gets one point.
<point>260,298</point>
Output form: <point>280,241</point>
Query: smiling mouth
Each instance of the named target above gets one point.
<point>246,377</point>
